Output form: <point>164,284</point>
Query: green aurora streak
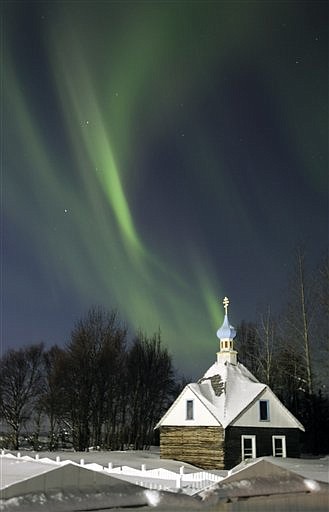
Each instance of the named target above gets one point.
<point>91,235</point>
<point>102,252</point>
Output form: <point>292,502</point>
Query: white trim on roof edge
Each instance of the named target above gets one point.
<point>187,423</point>
<point>277,402</point>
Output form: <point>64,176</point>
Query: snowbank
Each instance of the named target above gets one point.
<point>270,484</point>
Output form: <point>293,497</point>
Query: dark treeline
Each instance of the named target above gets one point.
<point>102,391</point>
<point>289,352</point>
<point>97,391</point>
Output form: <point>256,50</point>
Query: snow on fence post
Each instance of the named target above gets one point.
<point>18,455</point>
<point>36,456</point>
<point>82,462</point>
<point>2,452</point>
<point>181,470</point>
<point>58,459</point>
<point>110,465</point>
<point>143,468</point>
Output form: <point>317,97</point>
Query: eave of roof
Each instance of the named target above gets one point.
<point>241,390</point>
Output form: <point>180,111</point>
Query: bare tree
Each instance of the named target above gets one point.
<point>304,345</point>
<point>321,358</point>
<point>299,315</point>
<point>322,289</point>
<point>151,383</point>
<point>267,335</point>
<point>108,403</point>
<point>21,387</point>
<point>248,346</point>
<point>256,344</point>
<point>90,359</point>
<point>53,398</point>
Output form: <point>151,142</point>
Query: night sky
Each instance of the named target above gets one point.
<point>157,156</point>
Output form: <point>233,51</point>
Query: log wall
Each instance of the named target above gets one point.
<point>206,448</point>
<point>201,446</point>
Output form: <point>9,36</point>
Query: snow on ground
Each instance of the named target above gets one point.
<point>132,458</point>
<point>270,484</point>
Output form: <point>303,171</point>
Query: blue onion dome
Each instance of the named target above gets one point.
<point>226,331</point>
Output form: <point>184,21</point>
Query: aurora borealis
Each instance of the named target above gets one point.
<point>157,156</point>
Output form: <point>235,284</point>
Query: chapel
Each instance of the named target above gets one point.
<point>227,416</point>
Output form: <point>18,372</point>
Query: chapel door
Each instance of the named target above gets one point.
<point>248,447</point>
<point>279,446</point>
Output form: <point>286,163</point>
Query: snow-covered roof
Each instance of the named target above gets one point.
<point>227,389</point>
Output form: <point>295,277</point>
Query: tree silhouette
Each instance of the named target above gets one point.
<point>21,380</point>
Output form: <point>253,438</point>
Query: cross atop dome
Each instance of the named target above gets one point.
<point>226,303</point>
<point>226,331</point>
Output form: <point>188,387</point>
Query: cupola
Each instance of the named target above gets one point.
<point>226,333</point>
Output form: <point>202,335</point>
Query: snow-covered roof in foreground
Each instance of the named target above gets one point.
<point>268,478</point>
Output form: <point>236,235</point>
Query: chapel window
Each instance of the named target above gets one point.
<point>189,410</point>
<point>264,410</point>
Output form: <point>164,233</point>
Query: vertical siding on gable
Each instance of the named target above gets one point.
<point>263,442</point>
<point>201,446</point>
<point>279,416</point>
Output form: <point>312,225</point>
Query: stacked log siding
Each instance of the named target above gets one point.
<point>201,446</point>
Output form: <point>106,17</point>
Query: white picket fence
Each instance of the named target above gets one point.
<point>161,478</point>
<point>156,479</point>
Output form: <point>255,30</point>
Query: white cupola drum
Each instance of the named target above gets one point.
<point>226,333</point>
